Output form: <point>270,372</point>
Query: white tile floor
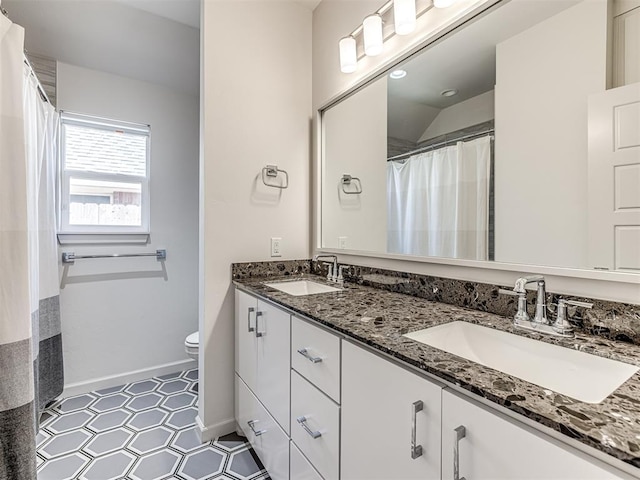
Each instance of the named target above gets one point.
<point>140,431</point>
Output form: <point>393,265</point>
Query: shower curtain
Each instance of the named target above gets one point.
<point>438,202</point>
<point>30,338</point>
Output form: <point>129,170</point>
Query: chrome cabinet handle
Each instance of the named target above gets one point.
<point>250,310</point>
<point>460,433</point>
<point>251,424</point>
<point>303,422</point>
<point>416,450</point>
<point>305,354</point>
<point>258,332</point>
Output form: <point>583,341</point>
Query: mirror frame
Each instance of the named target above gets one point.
<point>628,281</point>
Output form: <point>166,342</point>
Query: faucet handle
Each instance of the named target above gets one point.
<point>562,325</point>
<point>521,315</point>
<point>330,270</point>
<point>509,292</point>
<point>576,303</point>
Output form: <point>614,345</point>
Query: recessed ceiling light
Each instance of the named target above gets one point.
<point>398,74</point>
<point>449,93</point>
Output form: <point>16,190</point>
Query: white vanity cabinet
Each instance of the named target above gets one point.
<point>390,420</point>
<point>493,447</point>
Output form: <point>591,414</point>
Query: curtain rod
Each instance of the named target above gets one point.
<point>39,86</point>
<point>439,144</point>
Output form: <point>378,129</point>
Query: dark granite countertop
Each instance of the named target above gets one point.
<point>380,318</point>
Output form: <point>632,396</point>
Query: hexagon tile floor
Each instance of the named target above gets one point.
<point>140,431</point>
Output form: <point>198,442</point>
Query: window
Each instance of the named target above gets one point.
<point>104,168</point>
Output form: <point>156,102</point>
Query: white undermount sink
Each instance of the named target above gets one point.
<point>584,377</point>
<point>301,287</point>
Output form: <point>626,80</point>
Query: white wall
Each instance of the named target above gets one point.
<point>256,110</point>
<point>121,318</point>
<point>470,112</point>
<point>332,20</point>
<point>541,135</point>
<point>359,151</point>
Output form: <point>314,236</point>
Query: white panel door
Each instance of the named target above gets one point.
<point>273,337</point>
<point>245,338</point>
<point>495,448</point>
<point>378,400</point>
<point>614,179</point>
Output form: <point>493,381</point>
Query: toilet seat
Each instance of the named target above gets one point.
<point>193,340</point>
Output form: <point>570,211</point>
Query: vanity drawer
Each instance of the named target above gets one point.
<point>315,426</point>
<point>301,469</point>
<point>315,354</point>
<point>264,434</point>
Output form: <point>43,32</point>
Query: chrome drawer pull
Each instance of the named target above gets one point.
<point>251,424</point>
<point>250,310</point>
<point>258,332</point>
<point>460,433</point>
<point>303,421</point>
<point>305,354</point>
<point>416,450</point>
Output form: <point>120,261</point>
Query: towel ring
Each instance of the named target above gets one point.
<point>347,180</point>
<point>272,171</point>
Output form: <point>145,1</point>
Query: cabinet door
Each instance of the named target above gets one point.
<point>245,338</point>
<point>273,331</point>
<point>495,447</point>
<point>378,401</point>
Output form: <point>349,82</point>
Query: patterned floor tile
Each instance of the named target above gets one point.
<point>109,467</point>
<point>139,431</point>
<point>65,443</point>
<point>110,403</point>
<point>63,467</point>
<point>108,442</point>
<point>155,466</point>
<point>109,420</point>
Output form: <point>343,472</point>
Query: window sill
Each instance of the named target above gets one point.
<point>103,238</point>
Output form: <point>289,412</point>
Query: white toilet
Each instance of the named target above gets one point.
<point>192,345</point>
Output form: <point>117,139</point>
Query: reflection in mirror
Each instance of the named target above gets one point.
<point>483,146</point>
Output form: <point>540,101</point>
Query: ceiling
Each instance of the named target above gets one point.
<point>149,40</point>
<point>464,61</point>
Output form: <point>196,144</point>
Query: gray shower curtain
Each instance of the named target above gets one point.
<point>30,338</point>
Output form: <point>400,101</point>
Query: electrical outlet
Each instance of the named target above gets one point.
<point>342,242</point>
<point>276,244</point>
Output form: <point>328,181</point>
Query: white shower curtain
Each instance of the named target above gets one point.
<point>30,338</point>
<point>438,202</point>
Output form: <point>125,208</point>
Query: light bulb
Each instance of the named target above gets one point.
<point>372,35</point>
<point>404,16</point>
<point>348,56</point>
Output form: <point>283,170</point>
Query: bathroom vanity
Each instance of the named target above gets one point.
<point>329,387</point>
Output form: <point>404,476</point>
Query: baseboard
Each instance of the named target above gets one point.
<point>212,432</point>
<point>78,388</point>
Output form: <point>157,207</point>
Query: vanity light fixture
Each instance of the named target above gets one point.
<point>443,3</point>
<point>404,16</point>
<point>396,74</point>
<point>449,93</point>
<point>371,35</point>
<point>348,56</point>
<point>372,26</point>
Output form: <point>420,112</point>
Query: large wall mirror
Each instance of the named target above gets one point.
<point>505,142</point>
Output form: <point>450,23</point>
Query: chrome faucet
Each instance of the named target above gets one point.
<point>332,276</point>
<point>540,322</point>
<point>540,317</point>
